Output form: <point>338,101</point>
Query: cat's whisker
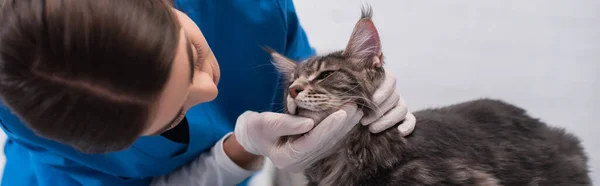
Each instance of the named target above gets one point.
<point>332,105</point>
<point>376,109</point>
<point>364,105</point>
<point>262,65</point>
<point>326,77</point>
<point>360,97</point>
<point>356,86</point>
<point>360,104</point>
<point>282,110</point>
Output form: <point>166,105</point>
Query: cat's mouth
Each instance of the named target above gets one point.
<point>318,114</point>
<point>311,105</point>
<point>321,105</point>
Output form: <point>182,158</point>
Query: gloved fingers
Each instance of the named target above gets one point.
<point>296,155</point>
<point>348,115</point>
<point>391,102</point>
<point>408,125</point>
<point>349,108</point>
<point>284,156</point>
<point>318,143</point>
<point>276,125</point>
<point>298,165</point>
<point>318,135</point>
<point>388,120</point>
<point>387,87</point>
<point>344,128</point>
<point>354,120</point>
<point>293,160</point>
<point>307,159</point>
<point>243,130</point>
<point>258,133</point>
<point>248,115</point>
<point>314,149</point>
<point>334,125</point>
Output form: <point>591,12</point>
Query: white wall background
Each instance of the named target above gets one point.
<point>542,55</point>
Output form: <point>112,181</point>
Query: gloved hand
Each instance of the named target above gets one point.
<point>392,109</point>
<point>259,133</point>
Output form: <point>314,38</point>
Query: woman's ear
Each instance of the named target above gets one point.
<point>364,45</point>
<point>284,65</point>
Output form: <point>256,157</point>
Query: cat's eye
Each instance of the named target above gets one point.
<point>324,74</point>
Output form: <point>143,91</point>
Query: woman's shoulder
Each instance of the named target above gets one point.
<point>233,8</point>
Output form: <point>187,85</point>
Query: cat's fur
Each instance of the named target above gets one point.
<point>483,142</point>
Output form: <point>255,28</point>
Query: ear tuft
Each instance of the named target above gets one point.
<point>365,44</point>
<point>282,64</point>
<point>367,12</point>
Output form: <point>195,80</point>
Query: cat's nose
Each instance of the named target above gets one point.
<point>295,90</point>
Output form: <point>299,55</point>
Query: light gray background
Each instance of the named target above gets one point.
<point>542,55</point>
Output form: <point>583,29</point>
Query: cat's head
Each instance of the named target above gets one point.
<point>318,86</point>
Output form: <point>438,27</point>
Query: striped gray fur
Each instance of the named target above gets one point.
<point>483,142</point>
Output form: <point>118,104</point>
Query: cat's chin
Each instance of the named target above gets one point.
<point>317,116</point>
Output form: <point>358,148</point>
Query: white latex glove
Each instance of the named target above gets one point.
<point>392,109</point>
<point>259,133</point>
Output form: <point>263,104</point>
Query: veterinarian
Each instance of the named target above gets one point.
<point>108,92</point>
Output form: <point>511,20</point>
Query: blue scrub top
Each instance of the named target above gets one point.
<point>235,30</point>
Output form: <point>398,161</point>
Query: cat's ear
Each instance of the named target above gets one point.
<point>282,64</point>
<point>365,45</point>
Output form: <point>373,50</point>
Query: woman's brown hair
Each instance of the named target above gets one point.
<point>86,73</point>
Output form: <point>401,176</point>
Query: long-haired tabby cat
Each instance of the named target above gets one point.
<point>482,142</point>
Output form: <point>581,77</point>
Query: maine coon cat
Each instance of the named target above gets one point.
<point>483,142</point>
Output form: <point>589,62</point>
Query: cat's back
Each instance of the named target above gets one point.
<point>498,142</point>
<point>490,121</point>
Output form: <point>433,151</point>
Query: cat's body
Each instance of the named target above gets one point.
<point>481,143</point>
<point>477,143</point>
